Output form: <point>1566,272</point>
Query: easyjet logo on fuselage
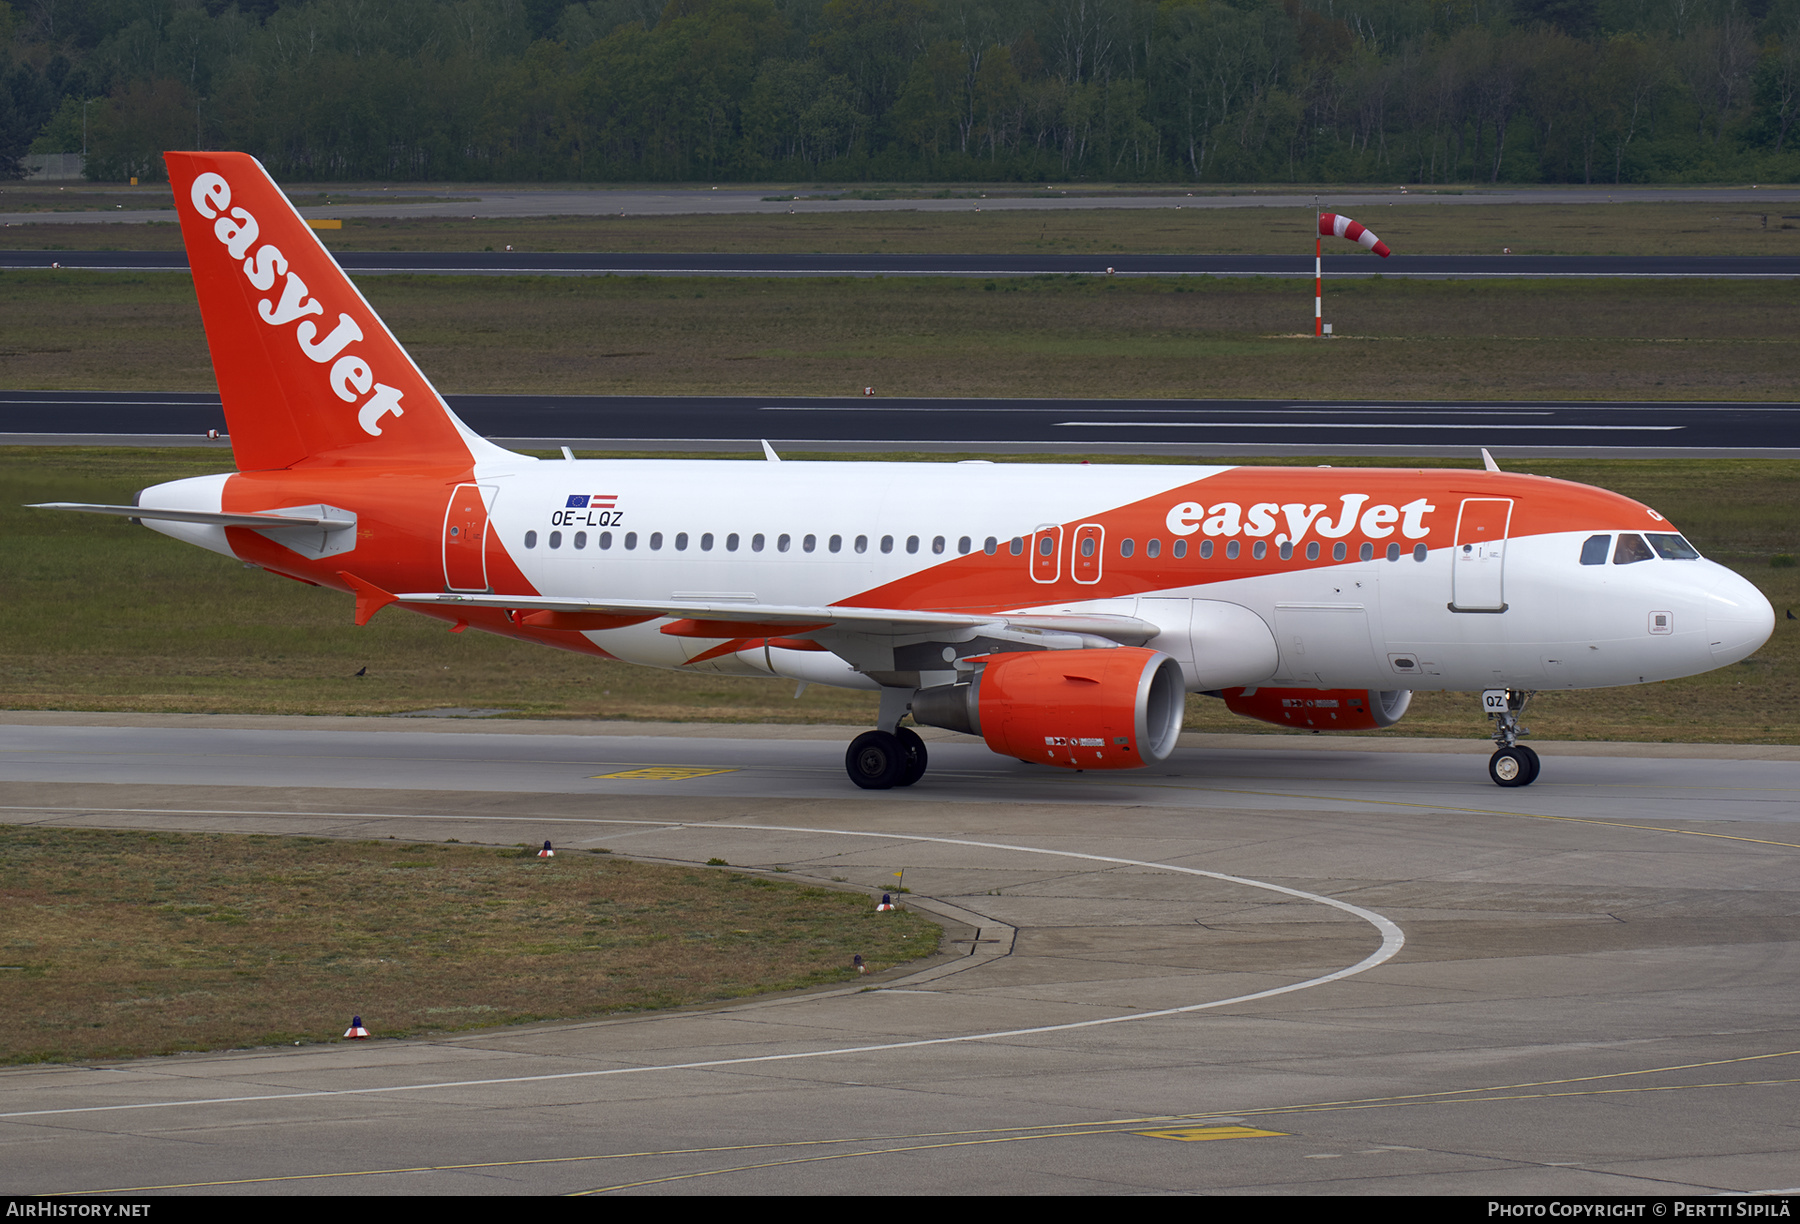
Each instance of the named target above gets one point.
<point>1334,523</point>
<point>350,378</point>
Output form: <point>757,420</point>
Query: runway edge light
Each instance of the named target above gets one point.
<point>356,1031</point>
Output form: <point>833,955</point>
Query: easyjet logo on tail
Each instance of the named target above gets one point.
<point>350,377</point>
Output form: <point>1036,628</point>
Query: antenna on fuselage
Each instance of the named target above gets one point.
<point>769,452</point>
<point>1487,461</point>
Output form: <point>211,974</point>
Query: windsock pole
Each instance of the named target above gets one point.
<point>1318,286</point>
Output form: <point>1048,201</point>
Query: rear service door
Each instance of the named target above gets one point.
<point>465,538</point>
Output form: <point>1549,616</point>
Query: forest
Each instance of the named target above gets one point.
<point>928,91</point>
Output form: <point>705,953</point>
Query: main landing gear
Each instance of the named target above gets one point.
<point>884,759</point>
<point>881,760</point>
<point>1513,764</point>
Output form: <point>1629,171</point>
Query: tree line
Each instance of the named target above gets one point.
<point>1424,91</point>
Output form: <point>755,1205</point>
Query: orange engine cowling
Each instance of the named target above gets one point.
<point>1320,710</point>
<point>1079,709</point>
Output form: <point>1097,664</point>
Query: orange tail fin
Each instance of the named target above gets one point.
<point>306,369</point>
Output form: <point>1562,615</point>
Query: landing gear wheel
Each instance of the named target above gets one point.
<point>876,760</point>
<point>916,756</point>
<point>1515,766</point>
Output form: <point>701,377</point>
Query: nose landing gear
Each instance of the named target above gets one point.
<point>1513,764</point>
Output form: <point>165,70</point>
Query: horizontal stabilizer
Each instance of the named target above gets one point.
<point>262,522</point>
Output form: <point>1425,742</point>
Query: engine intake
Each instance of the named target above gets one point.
<point>1078,709</point>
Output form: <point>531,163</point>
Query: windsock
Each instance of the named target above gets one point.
<point>1336,225</point>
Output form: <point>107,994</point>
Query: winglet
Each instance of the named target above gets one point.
<point>370,598</point>
<point>1487,461</point>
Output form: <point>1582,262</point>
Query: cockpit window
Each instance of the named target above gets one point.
<point>1671,547</point>
<point>1594,549</point>
<point>1631,548</point>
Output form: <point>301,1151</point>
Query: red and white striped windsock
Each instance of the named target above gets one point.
<point>1336,225</point>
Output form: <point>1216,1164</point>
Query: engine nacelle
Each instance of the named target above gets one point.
<point>1078,709</point>
<point>1320,710</point>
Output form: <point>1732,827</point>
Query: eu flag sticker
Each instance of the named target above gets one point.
<point>577,501</point>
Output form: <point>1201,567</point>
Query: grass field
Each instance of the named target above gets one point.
<point>102,615</point>
<point>1409,226</point>
<point>1042,336</point>
<point>162,942</point>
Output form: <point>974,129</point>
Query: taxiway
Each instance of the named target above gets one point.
<point>1271,964</point>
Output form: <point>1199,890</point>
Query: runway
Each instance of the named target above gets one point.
<point>1177,428</point>
<point>528,263</point>
<point>1269,965</point>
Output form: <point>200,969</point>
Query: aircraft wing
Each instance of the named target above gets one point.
<point>758,619</point>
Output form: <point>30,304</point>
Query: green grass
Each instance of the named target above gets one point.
<point>102,615</point>
<point>1045,336</point>
<point>117,944</point>
<point>1410,226</point>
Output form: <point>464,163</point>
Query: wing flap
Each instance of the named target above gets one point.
<point>798,620</point>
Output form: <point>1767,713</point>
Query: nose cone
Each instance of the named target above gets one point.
<point>1738,618</point>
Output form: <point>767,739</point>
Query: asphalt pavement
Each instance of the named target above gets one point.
<point>1170,427</point>
<point>530,263</point>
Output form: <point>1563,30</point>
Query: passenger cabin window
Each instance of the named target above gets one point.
<point>1127,547</point>
<point>1595,548</point>
<point>809,543</point>
<point>937,544</point>
<point>862,544</point>
<point>1231,550</point>
<point>1206,550</point>
<point>887,544</point>
<point>1631,549</point>
<point>836,544</point>
<point>1018,545</point>
<point>1153,548</point>
<point>556,539</point>
<point>580,540</point>
<point>606,539</point>
<point>656,540</point>
<point>912,544</point>
<point>783,542</point>
<point>706,542</point>
<point>990,546</point>
<point>681,541</point>
<point>731,542</point>
<point>1180,548</point>
<point>1393,552</point>
<point>1420,552</point>
<point>1672,547</point>
<point>1259,550</point>
<point>631,539</point>
<point>756,542</point>
<point>531,539</point>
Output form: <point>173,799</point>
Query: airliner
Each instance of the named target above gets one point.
<point>1062,613</point>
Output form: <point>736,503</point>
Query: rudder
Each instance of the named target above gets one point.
<point>306,368</point>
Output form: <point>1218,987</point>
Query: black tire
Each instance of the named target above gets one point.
<point>1532,759</point>
<point>1515,766</point>
<point>875,760</point>
<point>916,757</point>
